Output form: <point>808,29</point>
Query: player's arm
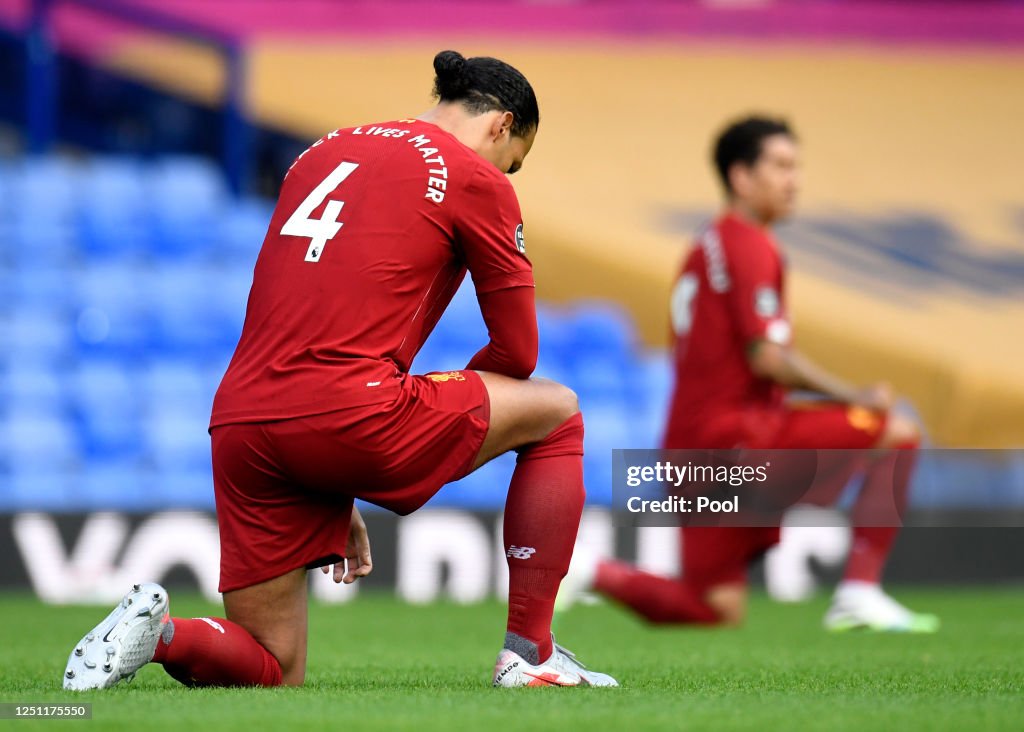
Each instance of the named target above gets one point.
<point>785,365</point>
<point>357,561</point>
<point>489,233</point>
<point>764,326</point>
<point>511,318</point>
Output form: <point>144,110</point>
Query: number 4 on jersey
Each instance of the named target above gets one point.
<point>321,230</point>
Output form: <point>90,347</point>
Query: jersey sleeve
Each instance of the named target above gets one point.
<point>755,299</point>
<point>511,318</point>
<point>489,232</point>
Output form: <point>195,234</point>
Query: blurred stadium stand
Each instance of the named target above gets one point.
<point>122,291</point>
<point>124,270</point>
<point>907,252</point>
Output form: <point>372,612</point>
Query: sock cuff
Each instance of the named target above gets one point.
<point>565,439</point>
<point>526,648</point>
<point>166,636</point>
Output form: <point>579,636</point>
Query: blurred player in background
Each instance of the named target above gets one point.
<point>375,229</point>
<point>735,368</point>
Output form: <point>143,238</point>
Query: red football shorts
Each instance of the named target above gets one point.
<point>800,425</point>
<point>284,489</point>
<point>715,555</point>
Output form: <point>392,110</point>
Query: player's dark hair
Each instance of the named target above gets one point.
<point>483,84</point>
<point>743,142</point>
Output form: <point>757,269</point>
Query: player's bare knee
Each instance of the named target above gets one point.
<point>729,603</point>
<point>732,618</point>
<point>564,403</point>
<point>296,676</point>
<point>731,612</point>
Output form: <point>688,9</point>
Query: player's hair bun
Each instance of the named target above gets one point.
<point>482,84</point>
<point>452,81</point>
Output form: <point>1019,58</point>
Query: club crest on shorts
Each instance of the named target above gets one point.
<point>447,376</point>
<point>863,419</point>
<point>520,241</point>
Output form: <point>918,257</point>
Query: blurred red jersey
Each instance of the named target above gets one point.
<point>731,292</point>
<point>373,233</point>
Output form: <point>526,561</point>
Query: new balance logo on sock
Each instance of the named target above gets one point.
<point>520,552</point>
<point>212,624</point>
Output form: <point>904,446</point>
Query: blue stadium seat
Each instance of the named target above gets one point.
<point>485,488</point>
<point>597,478</point>
<point>189,199</point>
<point>607,428</point>
<point>108,482</point>
<point>34,243</point>
<point>41,490</point>
<point>116,184</point>
<point>187,184</point>
<point>37,334</point>
<point>45,188</point>
<point>175,385</point>
<point>176,439</point>
<point>552,368</point>
<point>601,379</point>
<point>241,234</point>
<point>45,286</point>
<point>106,403</point>
<point>10,281</point>
<point>107,237</point>
<point>226,299</point>
<point>38,439</point>
<point>182,489</point>
<point>32,386</point>
<point>194,311</point>
<point>602,328</point>
<point>114,213</point>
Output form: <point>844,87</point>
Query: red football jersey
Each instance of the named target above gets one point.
<point>731,292</point>
<point>373,233</point>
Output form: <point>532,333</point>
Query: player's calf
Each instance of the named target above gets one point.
<point>274,614</point>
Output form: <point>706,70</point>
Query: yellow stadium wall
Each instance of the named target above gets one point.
<point>625,136</point>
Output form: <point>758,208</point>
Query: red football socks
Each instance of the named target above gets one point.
<point>215,652</point>
<point>878,513</point>
<point>658,599</point>
<point>542,516</point>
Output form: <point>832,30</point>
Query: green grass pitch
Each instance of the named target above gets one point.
<point>379,664</point>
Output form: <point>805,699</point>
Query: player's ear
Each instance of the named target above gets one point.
<point>502,125</point>
<point>739,178</point>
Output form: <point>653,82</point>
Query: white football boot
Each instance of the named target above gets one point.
<point>566,661</point>
<point>511,670</point>
<point>865,606</point>
<point>122,644</point>
<point>562,669</point>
